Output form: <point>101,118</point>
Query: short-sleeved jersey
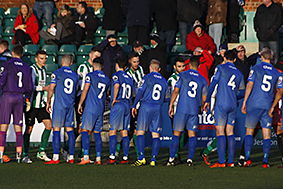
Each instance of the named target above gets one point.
<point>192,87</point>
<point>16,77</point>
<point>66,85</point>
<point>265,78</point>
<point>229,80</point>
<point>96,96</point>
<point>126,89</point>
<point>153,89</point>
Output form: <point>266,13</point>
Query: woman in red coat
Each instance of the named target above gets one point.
<point>198,38</point>
<point>25,27</point>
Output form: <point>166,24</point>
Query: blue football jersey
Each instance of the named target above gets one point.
<point>265,77</point>
<point>126,89</point>
<point>230,80</point>
<point>153,90</point>
<point>192,87</point>
<point>66,85</point>
<point>96,95</point>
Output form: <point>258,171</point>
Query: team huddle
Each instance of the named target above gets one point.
<point>135,96</point>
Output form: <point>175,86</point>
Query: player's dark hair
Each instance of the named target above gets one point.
<point>40,52</point>
<point>230,55</point>
<point>4,43</point>
<point>121,61</point>
<point>95,48</point>
<point>132,55</point>
<point>18,50</point>
<point>97,61</point>
<point>194,61</point>
<point>84,4</point>
<point>179,59</point>
<point>267,54</point>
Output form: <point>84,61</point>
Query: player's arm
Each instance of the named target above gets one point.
<point>242,87</point>
<point>249,89</point>
<point>214,82</point>
<point>139,96</point>
<point>173,99</point>
<point>115,93</point>
<point>83,97</point>
<point>49,96</point>
<point>278,97</point>
<point>204,95</point>
<point>3,75</point>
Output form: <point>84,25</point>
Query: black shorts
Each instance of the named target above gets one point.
<point>36,113</point>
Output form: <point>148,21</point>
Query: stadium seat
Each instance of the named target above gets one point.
<point>179,49</point>
<point>99,13</point>
<point>50,49</point>
<point>1,31</point>
<point>8,32</point>
<point>9,22</point>
<point>124,33</point>
<point>84,49</point>
<point>81,59</point>
<point>100,32</point>
<point>48,78</point>
<point>74,67</point>
<point>30,49</point>
<point>9,39</point>
<point>51,59</point>
<point>2,13</point>
<point>67,49</point>
<point>98,40</point>
<point>50,68</point>
<point>122,40</point>
<point>29,59</point>
<point>11,12</point>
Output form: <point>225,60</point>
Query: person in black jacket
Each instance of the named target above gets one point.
<point>5,53</point>
<point>138,20</point>
<point>86,24</point>
<point>62,32</point>
<point>267,21</point>
<point>165,17</point>
<point>143,55</point>
<point>113,20</point>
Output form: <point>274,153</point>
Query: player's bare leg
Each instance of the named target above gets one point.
<point>140,145</point>
<point>221,146</point>
<point>266,133</point>
<point>44,140</point>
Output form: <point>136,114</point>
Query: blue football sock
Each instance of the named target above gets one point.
<point>174,146</point>
<point>140,145</point>
<point>155,148</point>
<point>98,144</point>
<point>112,144</point>
<point>85,142</point>
<point>56,142</point>
<point>126,145</point>
<point>266,149</point>
<point>221,148</point>
<point>72,142</point>
<point>248,146</point>
<point>231,148</point>
<point>192,147</point>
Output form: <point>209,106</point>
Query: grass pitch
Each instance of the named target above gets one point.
<point>38,175</point>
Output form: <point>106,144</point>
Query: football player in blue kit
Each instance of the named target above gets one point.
<point>151,96</point>
<point>122,89</point>
<point>258,100</point>
<point>63,85</point>
<point>94,95</point>
<point>230,83</point>
<point>192,90</point>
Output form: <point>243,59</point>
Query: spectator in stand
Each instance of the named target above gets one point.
<point>62,32</point>
<point>165,17</point>
<point>25,27</point>
<point>5,53</point>
<point>187,12</point>
<point>206,61</point>
<point>198,38</point>
<point>113,20</point>
<point>233,21</point>
<point>138,17</point>
<point>218,59</point>
<point>243,63</point>
<point>43,10</point>
<point>110,51</point>
<point>86,24</point>
<point>267,21</point>
<point>158,52</point>
<point>216,19</point>
<point>143,55</point>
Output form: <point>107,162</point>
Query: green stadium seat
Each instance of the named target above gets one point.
<point>124,33</point>
<point>98,40</point>
<point>67,49</point>
<point>100,32</point>
<point>179,49</point>
<point>30,49</point>
<point>9,39</point>
<point>51,59</point>
<point>50,68</point>
<point>81,59</point>
<point>11,12</point>
<point>8,32</point>
<point>122,40</point>
<point>48,78</point>
<point>74,67</point>
<point>50,49</point>
<point>1,31</point>
<point>84,49</point>
<point>29,59</point>
<point>99,13</point>
<point>9,22</point>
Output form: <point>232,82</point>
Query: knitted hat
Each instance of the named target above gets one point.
<point>197,24</point>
